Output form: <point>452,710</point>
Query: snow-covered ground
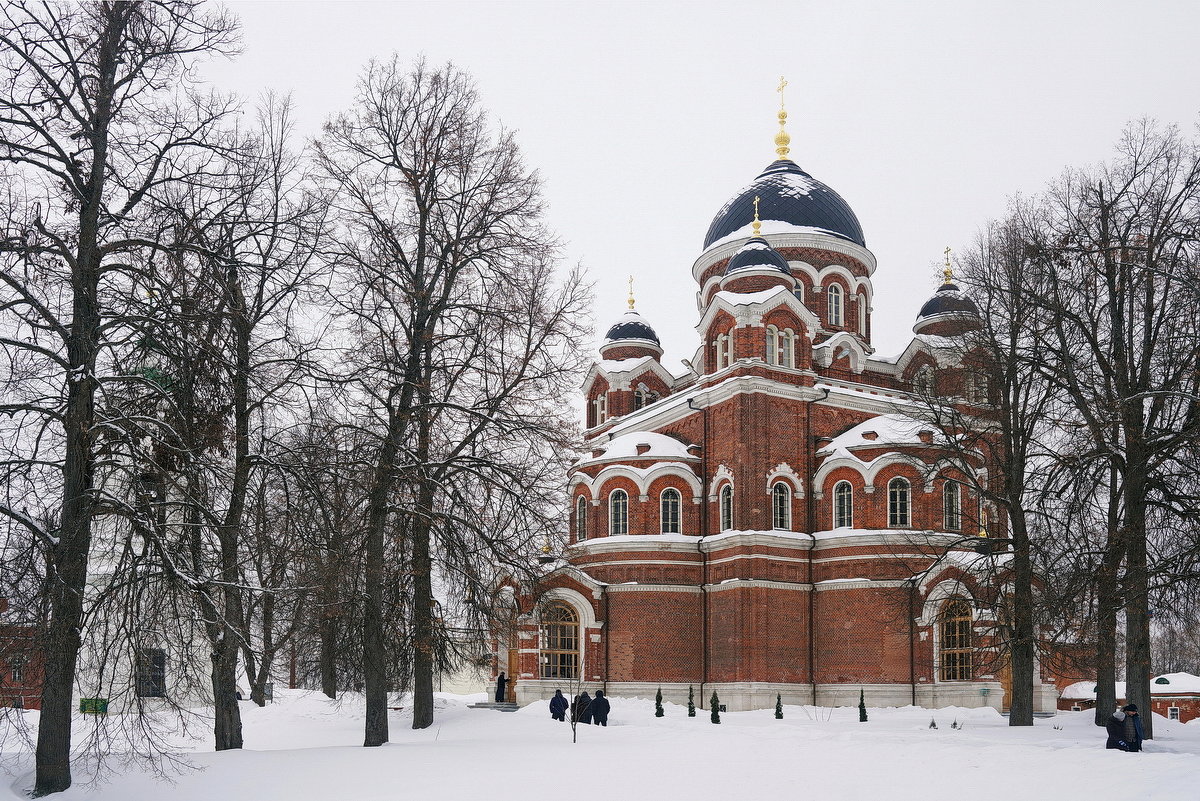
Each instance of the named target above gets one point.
<point>306,748</point>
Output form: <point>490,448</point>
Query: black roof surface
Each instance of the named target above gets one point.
<point>949,299</point>
<point>632,329</point>
<point>757,253</point>
<point>789,194</point>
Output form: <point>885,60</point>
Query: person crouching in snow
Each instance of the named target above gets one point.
<point>558,706</point>
<point>1125,729</point>
<point>600,707</point>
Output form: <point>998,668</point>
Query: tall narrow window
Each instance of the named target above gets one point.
<point>150,673</point>
<point>862,314</point>
<point>955,642</point>
<point>781,506</point>
<point>980,392</point>
<point>600,409</point>
<point>17,668</point>
<point>843,505</point>
<point>671,503</point>
<point>835,305</point>
<point>726,507</point>
<point>559,655</point>
<point>898,503</point>
<point>618,513</point>
<point>951,506</point>
<point>923,381</point>
<point>786,348</point>
<point>772,345</point>
<point>581,519</point>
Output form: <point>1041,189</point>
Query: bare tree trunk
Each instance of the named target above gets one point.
<point>1022,649</point>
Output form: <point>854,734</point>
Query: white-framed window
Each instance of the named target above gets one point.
<point>726,507</point>
<point>843,505</point>
<point>1172,713</point>
<point>836,305</point>
<point>581,527</point>
<point>980,390</point>
<point>899,499</point>
<point>781,346</point>
<point>799,292</point>
<point>923,381</point>
<point>952,506</point>
<point>670,504</point>
<point>781,506</point>
<point>618,513</point>
<point>862,314</point>
<point>600,409</point>
<point>724,349</point>
<point>17,670</point>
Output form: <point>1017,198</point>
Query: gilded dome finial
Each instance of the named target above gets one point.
<point>782,140</point>
<point>631,293</point>
<point>757,223</point>
<point>947,271</point>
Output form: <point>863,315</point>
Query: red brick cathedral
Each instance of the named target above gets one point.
<point>778,519</point>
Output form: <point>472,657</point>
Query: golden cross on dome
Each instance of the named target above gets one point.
<point>757,224</point>
<point>782,140</point>
<point>947,272</point>
<point>631,293</point>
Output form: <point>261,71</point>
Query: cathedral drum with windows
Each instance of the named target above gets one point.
<point>778,519</point>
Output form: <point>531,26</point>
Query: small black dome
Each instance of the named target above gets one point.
<point>948,300</point>
<point>788,194</point>
<point>756,253</point>
<point>631,326</point>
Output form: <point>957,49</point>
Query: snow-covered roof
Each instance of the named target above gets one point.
<point>661,448</point>
<point>769,227</point>
<point>623,365</point>
<point>889,429</point>
<point>1175,684</point>
<point>751,298</point>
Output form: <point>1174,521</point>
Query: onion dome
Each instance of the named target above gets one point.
<point>756,254</point>
<point>950,311</point>
<point>791,199</point>
<point>630,336</point>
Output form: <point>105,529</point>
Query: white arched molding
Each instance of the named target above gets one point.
<point>858,284</point>
<point>785,472</point>
<point>642,478</point>
<point>940,468</point>
<point>940,593</point>
<point>575,599</point>
<point>868,470</point>
<point>824,353</point>
<point>722,476</point>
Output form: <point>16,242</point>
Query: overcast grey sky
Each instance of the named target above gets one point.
<point>644,118</point>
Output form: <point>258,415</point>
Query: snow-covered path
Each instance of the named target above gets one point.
<point>304,748</point>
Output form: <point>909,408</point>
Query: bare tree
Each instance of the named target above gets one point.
<point>1119,255</point>
<point>88,134</point>
<point>458,338</point>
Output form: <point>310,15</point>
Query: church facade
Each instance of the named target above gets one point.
<point>778,520</point>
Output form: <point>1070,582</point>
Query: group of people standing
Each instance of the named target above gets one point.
<point>584,708</point>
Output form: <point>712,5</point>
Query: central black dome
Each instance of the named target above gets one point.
<point>787,194</point>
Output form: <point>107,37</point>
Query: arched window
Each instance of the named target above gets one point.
<point>600,409</point>
<point>898,503</point>
<point>835,304</point>
<point>799,292</point>
<point>559,654</point>
<point>781,506</point>
<point>581,519</point>
<point>951,506</point>
<point>618,513</point>
<point>980,392</point>
<point>724,349</point>
<point>726,507</point>
<point>843,505</point>
<point>923,381</point>
<point>669,517</point>
<point>954,644</point>
<point>787,347</point>
<point>862,313</point>
<point>772,345</point>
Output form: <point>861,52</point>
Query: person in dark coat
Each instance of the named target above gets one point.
<point>558,706</point>
<point>584,701</point>
<point>600,707</point>
<point>1124,729</point>
<point>501,685</point>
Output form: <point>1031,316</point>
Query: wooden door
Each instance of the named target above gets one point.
<point>510,692</point>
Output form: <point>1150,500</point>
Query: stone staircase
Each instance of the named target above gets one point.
<point>506,706</point>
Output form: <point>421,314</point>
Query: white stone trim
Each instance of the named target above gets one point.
<point>742,584</point>
<point>684,588</point>
<point>784,471</point>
